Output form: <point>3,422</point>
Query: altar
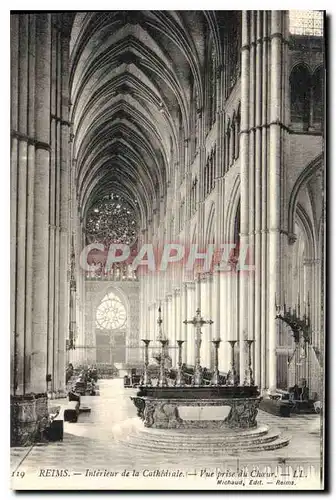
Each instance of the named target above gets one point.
<point>174,408</point>
<point>161,406</point>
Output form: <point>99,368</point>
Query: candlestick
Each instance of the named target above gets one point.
<point>146,381</point>
<point>159,322</point>
<point>179,382</point>
<point>162,382</point>
<point>249,379</point>
<point>215,377</point>
<point>232,375</point>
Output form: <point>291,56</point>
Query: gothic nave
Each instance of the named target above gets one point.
<point>135,130</point>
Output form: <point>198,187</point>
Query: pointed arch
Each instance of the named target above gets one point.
<point>210,226</point>
<point>303,178</point>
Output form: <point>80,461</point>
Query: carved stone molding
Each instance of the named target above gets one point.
<point>29,419</point>
<point>164,414</point>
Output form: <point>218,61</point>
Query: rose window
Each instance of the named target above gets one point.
<point>111,313</point>
<point>113,219</point>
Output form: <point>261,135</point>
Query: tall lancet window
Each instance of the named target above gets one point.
<point>181,144</point>
<point>236,281</point>
<point>212,90</point>
<point>233,50</point>
<point>228,146</point>
<point>300,83</point>
<point>237,133</point>
<point>193,197</point>
<point>193,121</point>
<point>317,98</point>
<point>233,139</point>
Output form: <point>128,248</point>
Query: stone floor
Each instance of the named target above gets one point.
<point>95,454</point>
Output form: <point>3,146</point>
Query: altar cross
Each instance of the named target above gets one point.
<point>198,322</point>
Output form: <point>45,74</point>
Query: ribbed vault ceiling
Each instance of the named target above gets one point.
<point>130,81</point>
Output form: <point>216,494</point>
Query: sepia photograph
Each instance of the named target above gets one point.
<point>167,250</point>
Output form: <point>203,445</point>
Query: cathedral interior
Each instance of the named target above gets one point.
<point>134,130</point>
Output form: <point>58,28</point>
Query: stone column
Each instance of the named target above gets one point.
<point>170,324</point>
<point>244,183</point>
<point>217,334</point>
<point>178,325</point>
<point>53,221</point>
<point>29,257</point>
<point>22,196</point>
<point>14,57</point>
<point>264,183</point>
<point>210,328</point>
<point>64,263</point>
<point>165,316</point>
<point>191,311</point>
<point>223,326</point>
<point>253,194</point>
<point>184,327</point>
<point>274,188</point>
<point>258,195</point>
<point>204,306</point>
<point>41,207</point>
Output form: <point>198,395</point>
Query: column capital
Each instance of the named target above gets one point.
<point>311,262</point>
<point>190,284</point>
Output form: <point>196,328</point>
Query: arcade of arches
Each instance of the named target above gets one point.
<point>151,127</point>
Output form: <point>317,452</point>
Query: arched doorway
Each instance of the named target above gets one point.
<point>111,329</point>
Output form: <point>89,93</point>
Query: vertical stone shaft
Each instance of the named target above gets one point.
<point>64,212</point>
<point>274,186</point>
<point>252,191</point>
<point>53,268</point>
<point>41,206</point>
<point>14,46</point>
<point>185,326</point>
<point>21,204</point>
<point>264,208</point>
<point>258,195</point>
<point>244,183</point>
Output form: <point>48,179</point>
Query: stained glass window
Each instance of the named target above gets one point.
<point>111,313</point>
<point>112,219</point>
<point>306,22</point>
<point>212,88</point>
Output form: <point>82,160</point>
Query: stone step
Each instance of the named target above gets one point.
<point>271,441</point>
<point>168,435</point>
<point>139,438</point>
<point>199,448</point>
<point>207,433</point>
<point>273,444</point>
